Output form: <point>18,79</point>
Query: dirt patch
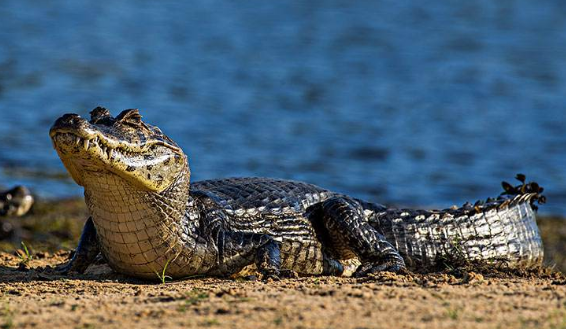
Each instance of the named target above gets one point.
<point>32,295</point>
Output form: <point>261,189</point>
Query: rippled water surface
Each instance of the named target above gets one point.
<point>419,104</point>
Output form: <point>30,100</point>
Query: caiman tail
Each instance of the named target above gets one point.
<point>501,230</point>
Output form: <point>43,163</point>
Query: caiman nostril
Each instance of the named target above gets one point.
<point>68,119</point>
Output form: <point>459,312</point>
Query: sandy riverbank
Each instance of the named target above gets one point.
<point>34,297</point>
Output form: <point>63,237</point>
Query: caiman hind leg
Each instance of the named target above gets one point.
<point>350,232</point>
<point>86,251</point>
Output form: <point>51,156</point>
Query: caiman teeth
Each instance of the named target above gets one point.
<point>108,146</point>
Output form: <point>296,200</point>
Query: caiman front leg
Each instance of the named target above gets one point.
<point>86,251</point>
<point>350,231</point>
<point>236,250</point>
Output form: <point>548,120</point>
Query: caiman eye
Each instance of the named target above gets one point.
<point>131,117</point>
<point>98,114</point>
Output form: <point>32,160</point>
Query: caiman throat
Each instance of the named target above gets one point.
<point>136,186</point>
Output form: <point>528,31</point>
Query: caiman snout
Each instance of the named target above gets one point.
<point>125,146</point>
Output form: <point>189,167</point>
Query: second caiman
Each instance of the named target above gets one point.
<point>147,218</point>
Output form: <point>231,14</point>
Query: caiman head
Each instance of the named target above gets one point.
<point>124,146</point>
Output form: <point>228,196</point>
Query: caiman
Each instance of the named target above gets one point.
<point>16,201</point>
<point>147,218</point>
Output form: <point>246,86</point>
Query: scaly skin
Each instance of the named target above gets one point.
<point>146,217</point>
<point>504,230</point>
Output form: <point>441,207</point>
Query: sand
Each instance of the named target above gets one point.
<point>33,296</point>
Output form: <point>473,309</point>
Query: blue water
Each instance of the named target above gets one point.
<point>408,103</point>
